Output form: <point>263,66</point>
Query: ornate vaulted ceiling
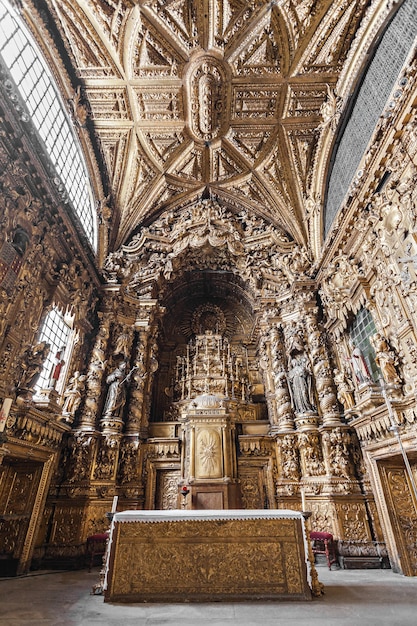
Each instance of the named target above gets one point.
<point>208,96</point>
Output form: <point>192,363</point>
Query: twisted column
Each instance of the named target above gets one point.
<point>95,376</point>
<point>326,390</point>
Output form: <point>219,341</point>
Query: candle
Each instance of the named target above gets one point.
<point>303,499</point>
<point>4,413</point>
<point>114,505</point>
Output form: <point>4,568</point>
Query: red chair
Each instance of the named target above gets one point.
<point>322,543</point>
<point>96,546</point>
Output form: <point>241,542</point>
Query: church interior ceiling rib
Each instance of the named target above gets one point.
<point>185,96</point>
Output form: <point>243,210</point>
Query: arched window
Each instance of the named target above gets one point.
<point>36,86</point>
<point>56,331</point>
<point>371,98</point>
<point>360,333</point>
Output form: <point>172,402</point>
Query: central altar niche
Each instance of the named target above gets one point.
<point>211,386</point>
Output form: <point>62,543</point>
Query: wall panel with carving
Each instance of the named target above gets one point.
<point>43,264</point>
<point>368,271</point>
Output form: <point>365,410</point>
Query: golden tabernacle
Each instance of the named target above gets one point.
<point>188,556</point>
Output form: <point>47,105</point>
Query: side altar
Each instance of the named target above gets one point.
<point>200,556</point>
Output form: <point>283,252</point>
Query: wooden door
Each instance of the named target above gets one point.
<point>18,488</point>
<point>402,511</point>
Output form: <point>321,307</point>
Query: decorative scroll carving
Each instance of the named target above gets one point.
<point>80,449</point>
<point>338,280</point>
<point>312,457</point>
<point>105,462</point>
<point>210,236</point>
<point>338,443</point>
<point>290,458</point>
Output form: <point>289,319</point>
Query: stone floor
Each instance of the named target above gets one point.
<point>352,597</point>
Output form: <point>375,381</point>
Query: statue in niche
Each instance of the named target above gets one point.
<point>345,389</point>
<point>33,361</point>
<point>57,368</point>
<point>359,365</point>
<point>386,359</point>
<point>73,395</point>
<point>301,384</point>
<point>122,344</point>
<point>20,241</point>
<point>116,393</point>
<point>294,339</point>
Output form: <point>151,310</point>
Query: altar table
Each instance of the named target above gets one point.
<point>201,556</point>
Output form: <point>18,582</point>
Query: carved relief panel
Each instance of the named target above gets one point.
<point>402,511</point>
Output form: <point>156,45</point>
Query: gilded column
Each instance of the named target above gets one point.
<point>134,417</point>
<point>265,365</point>
<point>152,366</point>
<point>95,376</point>
<point>117,380</point>
<point>326,391</point>
<point>283,410</point>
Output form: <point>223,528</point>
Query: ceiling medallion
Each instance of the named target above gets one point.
<point>206,91</point>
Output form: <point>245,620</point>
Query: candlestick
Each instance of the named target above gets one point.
<point>303,499</point>
<point>4,413</point>
<point>114,505</point>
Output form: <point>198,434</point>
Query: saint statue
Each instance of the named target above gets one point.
<point>33,361</point>
<point>345,389</point>
<point>116,393</point>
<point>300,385</point>
<point>56,368</point>
<point>386,359</point>
<point>73,395</point>
<point>359,365</point>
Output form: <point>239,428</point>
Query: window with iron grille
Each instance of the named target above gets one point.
<point>57,333</point>
<point>36,86</point>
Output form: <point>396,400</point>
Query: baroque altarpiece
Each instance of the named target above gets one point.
<point>214,362</point>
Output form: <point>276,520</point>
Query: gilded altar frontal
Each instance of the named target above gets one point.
<point>208,288</point>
